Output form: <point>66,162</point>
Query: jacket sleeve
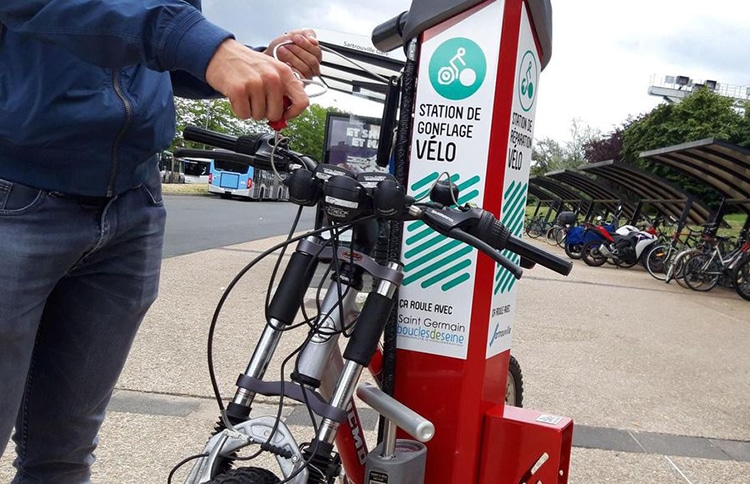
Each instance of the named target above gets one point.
<point>165,35</point>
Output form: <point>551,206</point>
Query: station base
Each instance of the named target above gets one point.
<point>523,446</point>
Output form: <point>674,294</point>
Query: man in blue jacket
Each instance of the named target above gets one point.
<point>86,101</point>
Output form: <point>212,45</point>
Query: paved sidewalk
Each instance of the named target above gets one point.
<point>656,377</point>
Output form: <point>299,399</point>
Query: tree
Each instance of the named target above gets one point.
<point>549,155</point>
<point>604,148</point>
<point>704,114</point>
<point>306,132</point>
<point>213,114</point>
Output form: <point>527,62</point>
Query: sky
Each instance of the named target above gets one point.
<point>605,53</point>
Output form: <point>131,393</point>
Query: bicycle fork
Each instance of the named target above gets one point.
<point>357,355</point>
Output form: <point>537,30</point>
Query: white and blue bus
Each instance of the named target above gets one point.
<point>231,179</point>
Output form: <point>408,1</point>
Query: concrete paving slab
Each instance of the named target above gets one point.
<point>616,350</point>
<point>736,450</point>
<point>699,471</point>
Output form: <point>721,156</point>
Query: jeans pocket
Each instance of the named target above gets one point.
<point>17,199</point>
<point>152,188</point>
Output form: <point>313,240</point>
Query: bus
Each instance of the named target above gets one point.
<point>231,179</point>
<point>196,170</point>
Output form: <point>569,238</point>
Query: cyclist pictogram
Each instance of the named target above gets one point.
<point>457,68</point>
<point>450,73</point>
<point>528,74</point>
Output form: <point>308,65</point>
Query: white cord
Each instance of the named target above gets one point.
<point>306,82</point>
<point>276,140</point>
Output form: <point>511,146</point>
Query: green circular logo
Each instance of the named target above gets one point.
<point>528,76</point>
<point>457,68</point>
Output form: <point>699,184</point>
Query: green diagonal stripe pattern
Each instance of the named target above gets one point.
<point>431,259</point>
<point>514,206</point>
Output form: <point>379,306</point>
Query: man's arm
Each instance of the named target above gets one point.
<point>162,34</point>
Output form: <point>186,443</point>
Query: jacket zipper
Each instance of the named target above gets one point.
<point>128,119</point>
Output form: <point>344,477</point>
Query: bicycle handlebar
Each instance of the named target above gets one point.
<point>345,196</point>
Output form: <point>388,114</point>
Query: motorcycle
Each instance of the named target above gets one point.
<point>625,246</point>
<point>580,234</point>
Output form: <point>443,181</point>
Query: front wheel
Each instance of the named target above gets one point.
<point>514,385</point>
<point>741,279</point>
<point>246,475</point>
<point>591,254</point>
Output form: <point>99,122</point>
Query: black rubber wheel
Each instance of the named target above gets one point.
<point>573,250</point>
<point>741,278</point>
<point>591,255</point>
<point>514,385</point>
<point>625,265</point>
<point>700,274</point>
<point>534,230</point>
<point>246,475</point>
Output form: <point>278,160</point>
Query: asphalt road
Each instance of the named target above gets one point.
<point>197,223</point>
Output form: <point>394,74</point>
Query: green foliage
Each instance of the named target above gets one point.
<point>213,114</point>
<point>305,132</point>
<point>549,155</point>
<point>703,114</point>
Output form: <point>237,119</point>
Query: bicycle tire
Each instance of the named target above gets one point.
<point>560,237</point>
<point>741,279</point>
<point>514,385</point>
<point>657,261</point>
<point>246,475</point>
<point>550,235</point>
<point>699,276</point>
<point>534,230</point>
<point>591,255</point>
<point>678,266</point>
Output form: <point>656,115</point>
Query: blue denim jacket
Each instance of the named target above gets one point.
<point>85,90</point>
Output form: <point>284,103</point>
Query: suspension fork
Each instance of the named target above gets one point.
<point>282,310</point>
<point>357,355</point>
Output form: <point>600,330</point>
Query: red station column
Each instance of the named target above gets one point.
<point>479,74</point>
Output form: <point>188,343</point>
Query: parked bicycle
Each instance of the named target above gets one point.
<point>661,257</point>
<point>703,272</point>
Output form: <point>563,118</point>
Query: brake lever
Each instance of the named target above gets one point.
<point>477,243</point>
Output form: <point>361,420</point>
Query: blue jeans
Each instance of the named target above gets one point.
<point>77,276</point>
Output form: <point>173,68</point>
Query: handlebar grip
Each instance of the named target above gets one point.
<point>208,137</point>
<point>498,236</point>
<point>247,144</point>
<point>388,36</point>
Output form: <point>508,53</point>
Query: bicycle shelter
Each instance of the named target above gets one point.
<point>340,75</point>
<point>665,196</point>
<point>721,165</point>
<point>610,200</point>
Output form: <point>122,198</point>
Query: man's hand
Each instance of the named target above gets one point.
<point>303,54</point>
<point>256,83</point>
